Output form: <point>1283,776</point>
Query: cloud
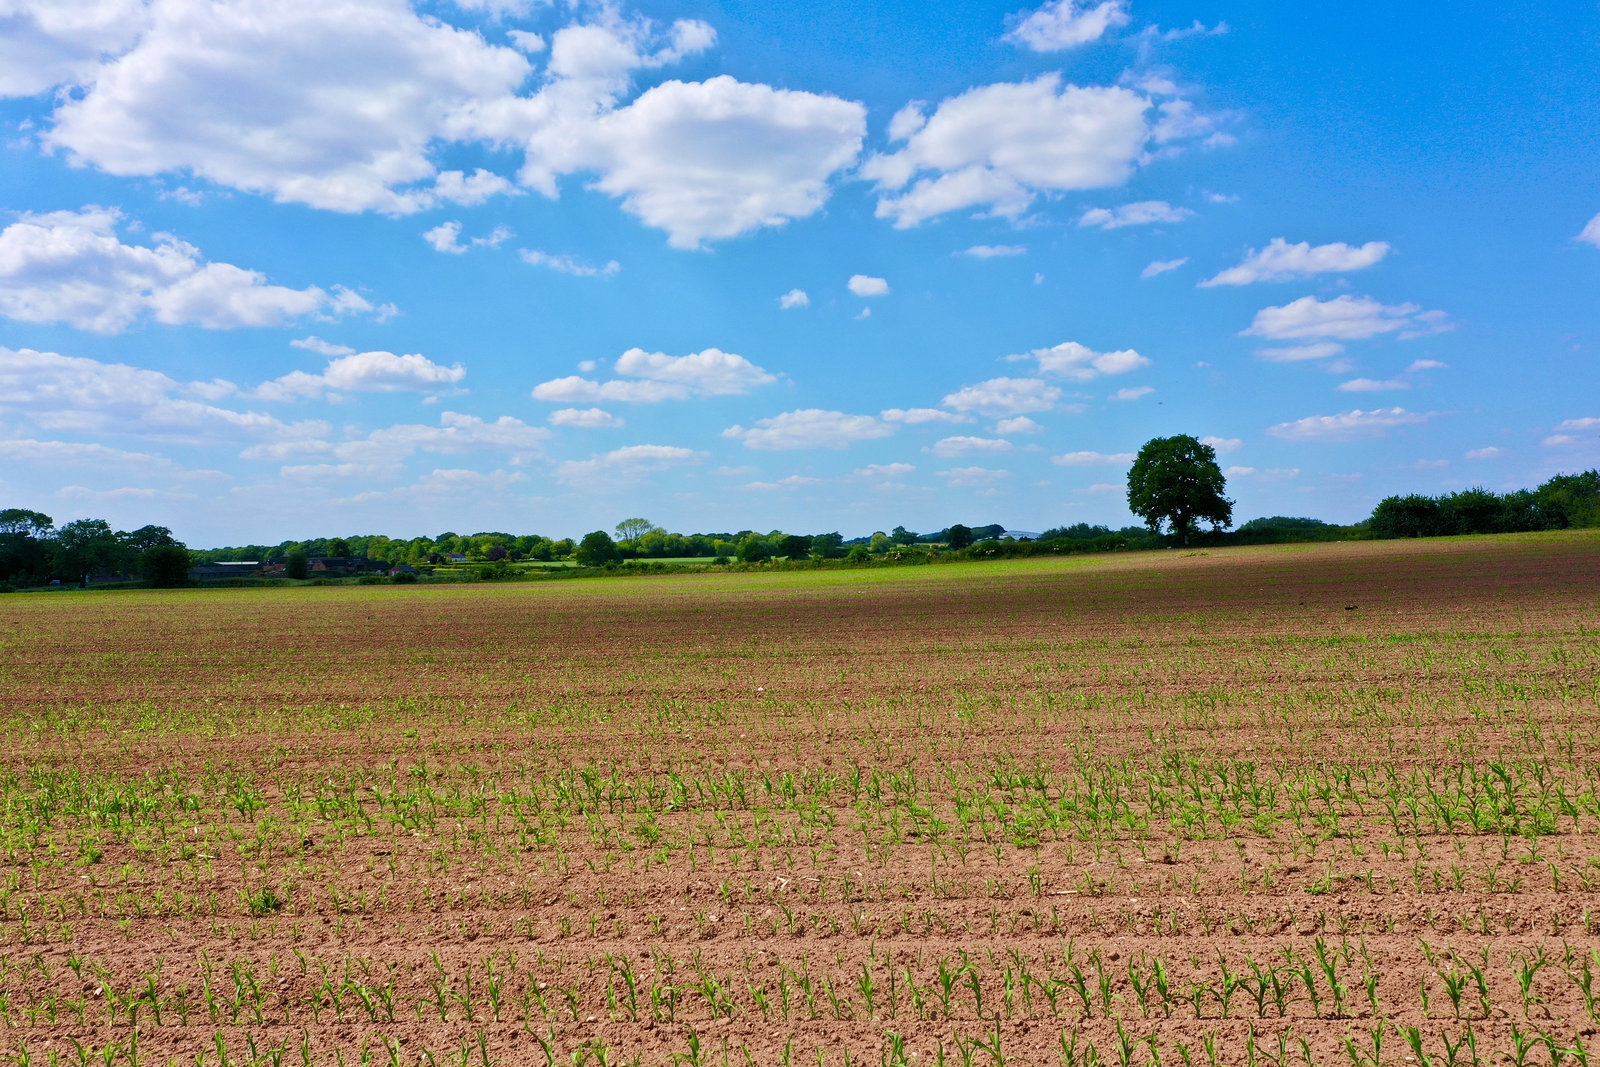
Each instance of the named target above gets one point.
<point>456,433</point>
<point>1591,232</point>
<point>794,298</point>
<point>1004,396</point>
<point>711,372</point>
<point>346,105</point>
<point>1348,425</point>
<point>1373,385</point>
<point>624,466</point>
<point>442,486</point>
<point>1281,261</point>
<point>1223,445</point>
<point>1569,431</point>
<point>1133,393</point>
<point>573,390</point>
<point>567,264</point>
<point>999,147</point>
<point>1161,266</point>
<point>1144,213</point>
<point>884,470</point>
<point>1081,363</point>
<point>1019,424</point>
<point>947,447</point>
<point>1490,452</point>
<point>73,394</point>
<point>793,481</point>
<point>1271,474</point>
<point>864,285</point>
<point>1297,353</point>
<point>1425,364</point>
<point>321,347</point>
<point>915,416</point>
<point>1346,318</point>
<point>445,237</point>
<point>1090,459</point>
<point>332,103</point>
<point>49,42</point>
<point>991,251</point>
<point>809,428</point>
<point>973,477</point>
<point>1104,487</point>
<point>71,267</point>
<point>700,160</point>
<point>587,418</point>
<point>1063,24</point>
<point>366,372</point>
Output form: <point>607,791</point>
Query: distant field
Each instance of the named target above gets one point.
<point>1310,804</point>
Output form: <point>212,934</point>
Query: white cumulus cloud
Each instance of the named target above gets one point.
<point>1349,424</point>
<point>916,416</point>
<point>999,147</point>
<point>992,251</point>
<point>1080,363</point>
<point>1345,318</point>
<point>1373,385</point>
<point>884,470</point>
<point>1063,24</point>
<point>624,466</point>
<point>1090,459</point>
<point>809,428</point>
<point>1161,266</point>
<point>1281,261</point>
<point>973,477</point>
<point>1491,452</point>
<point>366,372</point>
<point>1133,393</point>
<point>446,237</point>
<point>1005,397</point>
<point>794,298</point>
<point>72,267</point>
<point>567,264</point>
<point>1299,353</point>
<point>1143,213</point>
<point>711,372</point>
<point>587,418</point>
<point>1019,424</point>
<point>865,285</point>
<point>960,446</point>
<point>1223,445</point>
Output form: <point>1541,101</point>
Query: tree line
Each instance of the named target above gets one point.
<point>1173,485</point>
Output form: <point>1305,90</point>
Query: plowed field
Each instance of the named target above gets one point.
<point>1313,804</point>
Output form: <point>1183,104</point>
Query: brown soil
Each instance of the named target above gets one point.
<point>1243,805</point>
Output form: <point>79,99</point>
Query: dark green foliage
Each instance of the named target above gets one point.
<point>597,549</point>
<point>164,565</point>
<point>1281,522</point>
<point>1176,480</point>
<point>295,565</point>
<point>1565,501</point>
<point>958,536</point>
<point>754,549</point>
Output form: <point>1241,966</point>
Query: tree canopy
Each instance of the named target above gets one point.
<point>1176,480</point>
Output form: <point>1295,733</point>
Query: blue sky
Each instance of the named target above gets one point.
<point>294,268</point>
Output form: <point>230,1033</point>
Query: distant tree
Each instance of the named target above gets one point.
<point>1281,522</point>
<point>88,546</point>
<point>1568,500</point>
<point>879,544</point>
<point>597,549</point>
<point>294,564</point>
<point>958,536</point>
<point>628,529</point>
<point>1406,516</point>
<point>827,545</point>
<point>147,537</point>
<point>754,549</point>
<point>1176,480</point>
<point>24,522</point>
<point>339,547</point>
<point>496,554</point>
<point>794,546</point>
<point>858,553</point>
<point>902,536</point>
<point>165,565</point>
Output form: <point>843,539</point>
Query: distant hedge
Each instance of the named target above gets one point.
<point>1564,502</point>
